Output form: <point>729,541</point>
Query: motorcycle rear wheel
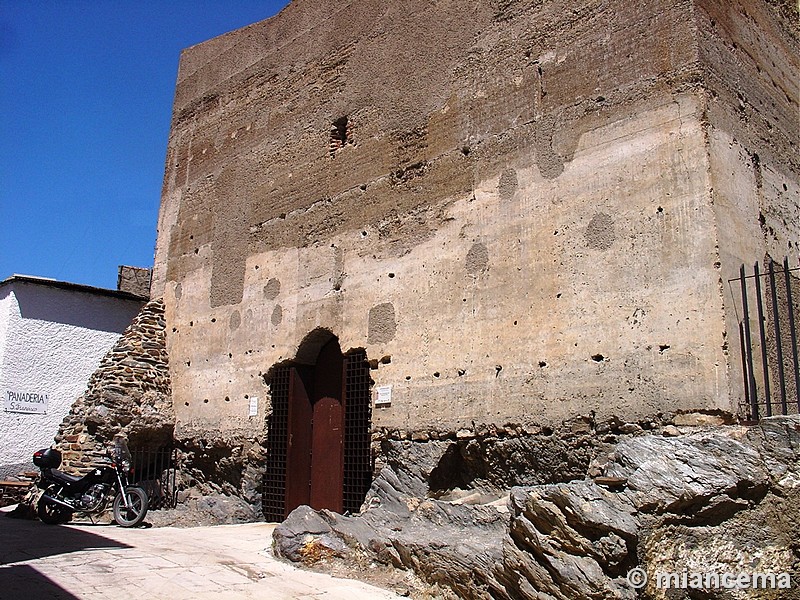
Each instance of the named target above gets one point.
<point>133,516</point>
<point>51,513</point>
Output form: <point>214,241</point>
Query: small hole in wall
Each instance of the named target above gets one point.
<point>465,150</point>
<point>246,396</point>
<point>515,322</point>
<point>341,134</point>
<point>205,400</point>
<point>363,234</point>
<point>785,189</point>
<point>408,377</point>
<point>436,374</point>
<point>191,323</point>
<point>597,357</point>
<point>186,404</point>
<point>391,275</point>
<point>542,364</point>
<point>461,372</point>
<point>227,399</point>
<point>363,187</point>
<point>230,355</point>
<point>197,250</point>
<point>659,210</point>
<point>558,295</point>
<point>214,320</point>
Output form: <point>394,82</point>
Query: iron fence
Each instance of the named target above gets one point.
<point>768,339</point>
<point>156,472</point>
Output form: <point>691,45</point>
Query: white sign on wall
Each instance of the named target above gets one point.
<point>253,406</point>
<point>383,396</point>
<point>25,402</point>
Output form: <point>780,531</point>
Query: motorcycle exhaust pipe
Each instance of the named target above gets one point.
<point>57,501</point>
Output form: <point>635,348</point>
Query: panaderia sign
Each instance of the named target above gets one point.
<point>25,402</point>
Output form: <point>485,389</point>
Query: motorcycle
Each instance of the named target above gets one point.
<point>65,494</point>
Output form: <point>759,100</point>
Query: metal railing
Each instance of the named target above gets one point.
<point>156,472</point>
<point>769,345</point>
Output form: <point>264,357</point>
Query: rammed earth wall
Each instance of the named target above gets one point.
<point>524,210</point>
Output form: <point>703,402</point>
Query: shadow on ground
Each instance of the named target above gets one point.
<point>24,540</point>
<point>23,581</point>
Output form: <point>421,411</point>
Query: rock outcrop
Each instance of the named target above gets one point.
<point>724,499</point>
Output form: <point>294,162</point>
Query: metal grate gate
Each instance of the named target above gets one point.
<point>357,438</point>
<point>156,472</point>
<point>273,497</point>
<point>768,339</point>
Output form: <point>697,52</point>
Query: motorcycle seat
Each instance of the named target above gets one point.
<point>64,477</point>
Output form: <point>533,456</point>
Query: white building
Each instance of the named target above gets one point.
<point>53,335</point>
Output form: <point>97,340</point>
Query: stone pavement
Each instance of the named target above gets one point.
<point>93,562</point>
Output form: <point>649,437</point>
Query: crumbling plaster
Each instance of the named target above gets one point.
<point>534,218</point>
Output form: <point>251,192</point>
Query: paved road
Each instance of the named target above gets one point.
<point>93,562</point>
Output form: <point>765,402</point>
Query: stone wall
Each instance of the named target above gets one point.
<point>523,209</point>
<point>134,280</point>
<point>129,393</point>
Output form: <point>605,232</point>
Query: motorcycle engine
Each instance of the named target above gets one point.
<point>93,498</point>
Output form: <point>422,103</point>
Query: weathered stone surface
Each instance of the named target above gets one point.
<point>723,499</point>
<point>682,475</point>
<point>130,393</point>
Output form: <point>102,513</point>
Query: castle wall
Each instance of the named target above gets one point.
<point>751,56</point>
<point>516,219</point>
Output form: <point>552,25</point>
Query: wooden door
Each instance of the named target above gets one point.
<point>298,449</point>
<point>327,446</point>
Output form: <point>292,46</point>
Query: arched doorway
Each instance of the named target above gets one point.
<point>318,439</point>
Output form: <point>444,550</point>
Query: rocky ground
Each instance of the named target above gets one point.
<point>681,499</point>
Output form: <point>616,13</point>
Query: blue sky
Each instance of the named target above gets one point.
<point>86,89</point>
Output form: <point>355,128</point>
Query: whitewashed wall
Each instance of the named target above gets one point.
<point>51,340</point>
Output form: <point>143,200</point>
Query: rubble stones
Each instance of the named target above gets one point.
<point>130,392</point>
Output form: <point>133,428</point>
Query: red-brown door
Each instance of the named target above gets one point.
<point>327,456</point>
<point>298,450</point>
<point>316,422</point>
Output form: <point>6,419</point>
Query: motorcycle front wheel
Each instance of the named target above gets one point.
<point>52,513</point>
<point>133,515</point>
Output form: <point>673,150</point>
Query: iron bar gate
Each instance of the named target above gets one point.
<point>156,472</point>
<point>770,349</point>
<point>356,442</point>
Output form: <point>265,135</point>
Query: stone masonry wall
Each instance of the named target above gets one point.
<point>129,393</point>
